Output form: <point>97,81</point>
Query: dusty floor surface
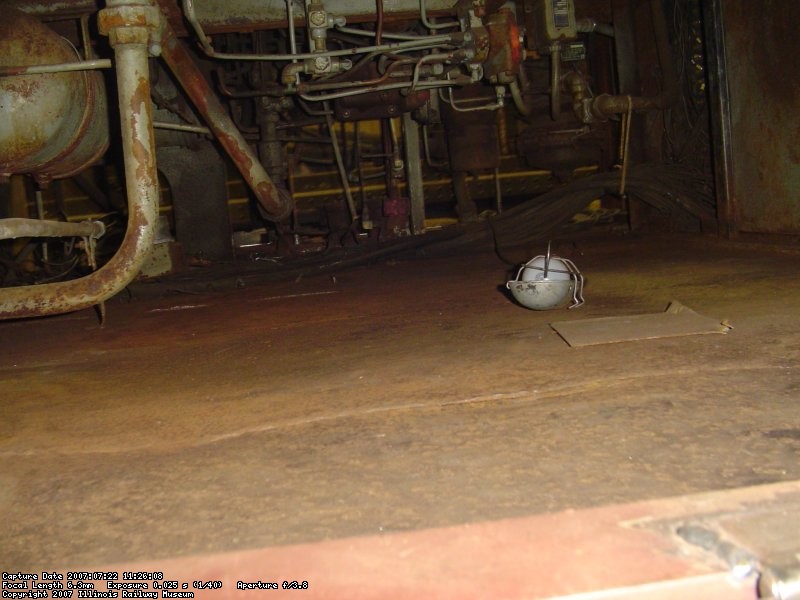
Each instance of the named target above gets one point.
<point>398,396</point>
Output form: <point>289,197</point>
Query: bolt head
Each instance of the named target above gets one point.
<point>318,18</point>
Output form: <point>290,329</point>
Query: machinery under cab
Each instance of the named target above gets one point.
<point>278,129</point>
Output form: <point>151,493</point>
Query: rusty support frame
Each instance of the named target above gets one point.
<point>275,202</point>
<point>130,42</point>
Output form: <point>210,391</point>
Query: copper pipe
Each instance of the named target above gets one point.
<point>275,203</point>
<point>141,182</point>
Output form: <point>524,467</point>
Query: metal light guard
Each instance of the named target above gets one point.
<point>521,289</point>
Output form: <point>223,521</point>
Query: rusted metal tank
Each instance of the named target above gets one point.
<point>52,125</point>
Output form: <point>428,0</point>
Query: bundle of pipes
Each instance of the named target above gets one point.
<point>47,134</point>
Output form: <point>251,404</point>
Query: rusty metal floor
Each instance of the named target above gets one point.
<point>391,398</point>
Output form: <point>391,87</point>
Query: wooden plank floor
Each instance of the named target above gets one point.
<point>397,397</point>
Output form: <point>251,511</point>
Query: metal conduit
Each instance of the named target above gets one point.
<point>141,183</point>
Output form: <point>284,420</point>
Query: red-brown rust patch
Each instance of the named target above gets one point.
<point>139,104</point>
<point>242,159</point>
<point>185,70</point>
<point>268,197</point>
<point>194,83</point>
<point>113,20</point>
<point>140,96</point>
<point>26,87</point>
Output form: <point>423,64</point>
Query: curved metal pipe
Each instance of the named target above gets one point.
<point>423,16</point>
<point>276,203</point>
<point>141,183</point>
<point>519,99</point>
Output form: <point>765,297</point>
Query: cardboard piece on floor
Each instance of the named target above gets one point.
<point>677,320</point>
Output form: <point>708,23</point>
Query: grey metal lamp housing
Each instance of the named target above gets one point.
<point>547,282</point>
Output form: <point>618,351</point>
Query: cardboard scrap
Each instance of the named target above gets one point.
<point>677,320</point>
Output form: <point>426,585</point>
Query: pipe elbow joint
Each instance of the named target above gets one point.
<point>274,203</point>
<point>291,72</point>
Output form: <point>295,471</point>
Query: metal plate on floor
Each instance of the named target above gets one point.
<point>677,320</point>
